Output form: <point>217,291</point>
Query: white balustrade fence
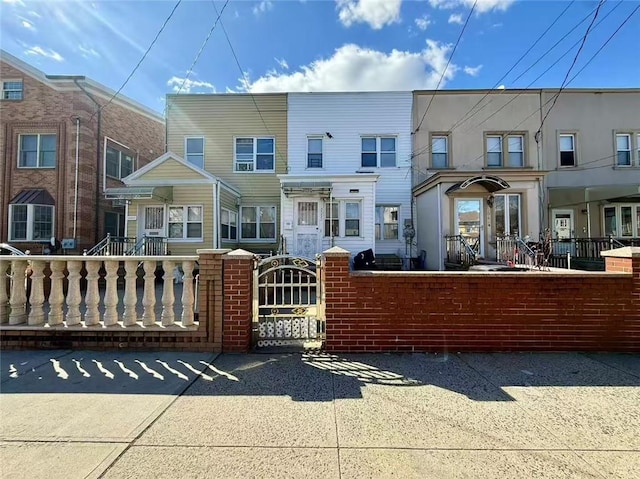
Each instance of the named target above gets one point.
<point>89,291</point>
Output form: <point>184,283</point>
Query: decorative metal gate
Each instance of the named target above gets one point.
<point>287,302</point>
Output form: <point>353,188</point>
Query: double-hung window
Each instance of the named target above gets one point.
<point>387,222</point>
<point>37,151</point>
<point>185,222</point>
<point>118,163</point>
<point>378,151</point>
<point>228,225</point>
<point>258,223</point>
<point>255,154</point>
<point>314,152</point>
<point>30,222</point>
<point>622,220</point>
<point>507,211</point>
<point>505,150</point>
<point>194,151</point>
<point>343,218</point>
<point>12,90</point>
<point>567,143</point>
<point>439,151</point>
<point>623,149</point>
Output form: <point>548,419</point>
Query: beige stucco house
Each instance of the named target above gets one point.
<point>217,185</point>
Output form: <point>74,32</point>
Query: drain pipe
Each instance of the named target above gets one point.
<point>75,192</point>
<point>96,229</point>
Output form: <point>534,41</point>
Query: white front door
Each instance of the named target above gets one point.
<point>469,224</point>
<point>563,224</point>
<point>307,227</point>
<point>153,221</point>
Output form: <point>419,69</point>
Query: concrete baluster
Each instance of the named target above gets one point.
<point>92,296</point>
<point>111,293</point>
<point>18,299</point>
<point>4,297</point>
<point>168,298</point>
<point>149,297</point>
<point>56,297</point>
<point>130,316</point>
<point>73,293</point>
<point>36,299</point>
<point>187,293</point>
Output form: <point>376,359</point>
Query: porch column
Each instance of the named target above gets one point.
<point>238,301</point>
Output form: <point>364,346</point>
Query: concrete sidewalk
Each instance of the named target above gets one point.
<point>166,415</point>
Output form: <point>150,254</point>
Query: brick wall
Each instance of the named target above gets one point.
<point>376,311</point>
<point>238,301</point>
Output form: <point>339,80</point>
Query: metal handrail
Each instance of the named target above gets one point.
<point>100,247</point>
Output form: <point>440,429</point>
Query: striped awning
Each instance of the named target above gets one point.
<point>33,197</point>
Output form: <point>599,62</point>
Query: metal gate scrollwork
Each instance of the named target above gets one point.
<point>287,302</point>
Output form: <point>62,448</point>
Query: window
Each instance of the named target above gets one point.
<point>228,225</point>
<point>255,154</point>
<point>505,151</point>
<point>567,150</point>
<point>258,223</point>
<point>622,220</point>
<point>439,152</point>
<point>342,218</point>
<point>623,150</point>
<point>118,164</point>
<point>185,222</point>
<point>507,211</point>
<point>378,152</point>
<point>12,90</point>
<point>37,151</point>
<point>387,222</point>
<point>30,222</point>
<point>314,152</point>
<point>194,151</point>
<point>114,224</point>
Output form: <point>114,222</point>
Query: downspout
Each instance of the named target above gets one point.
<point>75,189</point>
<point>440,256</point>
<point>217,241</point>
<point>96,232</point>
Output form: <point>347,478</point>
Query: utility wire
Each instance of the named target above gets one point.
<point>448,62</point>
<point>573,63</point>
<point>202,47</point>
<point>175,7</point>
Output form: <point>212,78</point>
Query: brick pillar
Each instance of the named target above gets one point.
<point>339,297</point>
<point>238,301</point>
<point>210,295</point>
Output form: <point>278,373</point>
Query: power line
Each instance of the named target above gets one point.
<point>175,7</point>
<point>573,63</point>
<point>202,47</point>
<point>448,62</point>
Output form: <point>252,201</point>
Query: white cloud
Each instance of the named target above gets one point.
<point>423,22</point>
<point>481,7</point>
<point>182,85</point>
<point>456,18</point>
<point>87,52</point>
<point>44,52</point>
<point>263,7</point>
<point>14,2</point>
<point>27,24</point>
<point>501,87</point>
<point>282,62</point>
<point>377,13</point>
<point>33,13</point>
<point>472,71</point>
<point>354,68</point>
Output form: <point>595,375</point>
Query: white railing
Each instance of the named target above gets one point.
<point>88,291</point>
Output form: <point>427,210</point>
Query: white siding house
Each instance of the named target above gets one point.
<point>349,155</point>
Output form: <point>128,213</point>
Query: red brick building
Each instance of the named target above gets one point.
<point>59,150</point>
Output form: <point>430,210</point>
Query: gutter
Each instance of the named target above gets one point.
<point>96,229</point>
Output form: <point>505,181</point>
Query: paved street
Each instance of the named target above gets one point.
<point>165,415</point>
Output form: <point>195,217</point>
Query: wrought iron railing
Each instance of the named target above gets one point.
<point>460,251</point>
<point>123,246</point>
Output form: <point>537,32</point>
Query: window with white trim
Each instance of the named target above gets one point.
<point>12,90</point>
<point>504,150</point>
<point>507,210</point>
<point>228,225</point>
<point>342,218</point>
<point>118,163</point>
<point>185,222</point>
<point>387,222</point>
<point>255,154</point>
<point>30,222</point>
<point>378,151</point>
<point>314,152</point>
<point>567,144</point>
<point>37,151</point>
<point>258,223</point>
<point>622,221</point>
<point>194,150</point>
<point>439,151</point>
<point>623,149</point>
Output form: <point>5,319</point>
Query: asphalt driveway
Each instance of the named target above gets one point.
<point>155,415</point>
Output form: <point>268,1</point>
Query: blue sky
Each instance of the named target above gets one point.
<point>293,45</point>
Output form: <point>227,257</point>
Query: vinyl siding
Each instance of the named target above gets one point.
<point>348,117</point>
<point>170,170</point>
<point>229,201</point>
<point>427,228</point>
